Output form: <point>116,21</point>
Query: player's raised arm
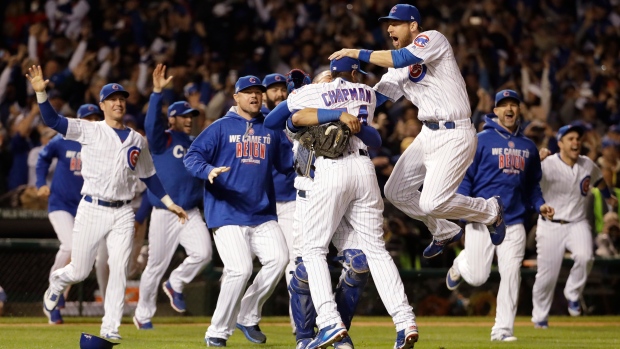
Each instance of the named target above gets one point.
<point>49,115</point>
<point>276,119</point>
<point>154,124</point>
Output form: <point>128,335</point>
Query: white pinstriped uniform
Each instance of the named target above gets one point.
<point>347,187</point>
<point>62,222</point>
<point>286,218</point>
<point>111,170</point>
<point>565,189</point>
<point>438,159</point>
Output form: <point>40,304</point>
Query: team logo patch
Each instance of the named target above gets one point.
<point>251,132</point>
<point>511,144</point>
<point>132,157</point>
<point>421,41</point>
<point>393,10</point>
<point>354,67</point>
<point>585,186</point>
<point>91,108</point>
<point>186,105</point>
<point>506,93</point>
<point>253,80</point>
<point>278,78</point>
<point>417,72</point>
<point>115,87</point>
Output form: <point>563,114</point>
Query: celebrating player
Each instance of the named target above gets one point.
<point>165,234</point>
<point>424,69</point>
<point>565,184</point>
<point>113,159</point>
<point>506,164</point>
<point>64,193</point>
<point>240,206</point>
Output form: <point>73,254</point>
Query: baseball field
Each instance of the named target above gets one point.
<point>367,332</point>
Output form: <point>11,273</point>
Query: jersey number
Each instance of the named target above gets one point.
<point>362,115</point>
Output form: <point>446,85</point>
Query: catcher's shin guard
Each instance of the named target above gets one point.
<point>351,285</point>
<point>304,314</point>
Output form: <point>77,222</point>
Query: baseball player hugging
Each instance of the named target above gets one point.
<point>235,156</point>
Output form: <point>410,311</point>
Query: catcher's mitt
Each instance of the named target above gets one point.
<point>329,140</point>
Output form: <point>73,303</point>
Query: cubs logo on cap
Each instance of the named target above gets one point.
<point>109,89</point>
<point>274,79</point>
<point>345,64</point>
<point>248,81</point>
<point>503,94</point>
<point>182,108</point>
<point>403,12</point>
<point>87,110</point>
<point>570,128</point>
<point>89,341</point>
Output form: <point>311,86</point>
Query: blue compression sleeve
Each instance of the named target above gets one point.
<point>276,119</point>
<point>290,126</point>
<point>370,136</point>
<point>403,58</point>
<point>364,55</point>
<point>381,98</point>
<point>155,186</point>
<point>52,119</point>
<point>328,115</point>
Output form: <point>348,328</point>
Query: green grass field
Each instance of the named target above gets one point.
<point>366,332</point>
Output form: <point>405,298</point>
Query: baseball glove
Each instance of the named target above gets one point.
<point>329,140</point>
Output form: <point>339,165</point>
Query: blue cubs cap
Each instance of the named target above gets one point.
<point>181,108</point>
<point>248,81</point>
<point>345,64</point>
<point>190,89</point>
<point>87,110</point>
<point>274,79</point>
<point>570,128</point>
<point>109,89</point>
<point>403,12</point>
<point>88,341</point>
<point>503,94</point>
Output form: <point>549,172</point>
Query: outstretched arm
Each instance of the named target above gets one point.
<point>154,124</point>
<point>314,116</point>
<point>49,115</point>
<point>387,58</point>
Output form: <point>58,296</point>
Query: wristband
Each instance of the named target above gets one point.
<point>364,55</point>
<point>166,200</point>
<point>606,193</point>
<point>41,97</point>
<point>327,115</point>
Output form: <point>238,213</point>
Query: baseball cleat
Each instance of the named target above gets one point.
<point>328,335</point>
<point>303,343</point>
<point>498,229</point>
<point>406,338</point>
<point>142,326</point>
<point>436,247</point>
<point>61,302</point>
<point>505,338</point>
<point>574,308</point>
<point>53,317</point>
<point>50,300</point>
<point>453,279</point>
<point>542,325</point>
<point>345,343</point>
<point>215,342</point>
<point>113,336</point>
<point>253,333</point>
<point>177,300</point>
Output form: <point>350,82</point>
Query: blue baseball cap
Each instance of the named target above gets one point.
<point>87,110</point>
<point>345,64</point>
<point>503,94</point>
<point>274,79</point>
<point>181,108</point>
<point>403,12</point>
<point>109,89</point>
<point>569,128</point>
<point>88,341</point>
<point>248,81</point>
<point>190,89</point>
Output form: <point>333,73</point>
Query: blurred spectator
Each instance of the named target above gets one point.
<point>608,241</point>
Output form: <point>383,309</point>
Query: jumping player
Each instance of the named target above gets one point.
<point>424,69</point>
<point>234,156</point>
<point>113,159</point>
<point>506,164</point>
<point>567,177</point>
<point>64,193</point>
<point>165,233</point>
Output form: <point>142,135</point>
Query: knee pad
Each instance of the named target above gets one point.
<point>351,284</point>
<point>302,307</point>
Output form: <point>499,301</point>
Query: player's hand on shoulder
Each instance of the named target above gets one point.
<point>345,52</point>
<point>547,211</point>
<point>180,212</point>
<point>36,79</point>
<point>352,121</point>
<point>159,78</point>
<point>543,153</point>
<point>216,172</point>
<point>43,192</point>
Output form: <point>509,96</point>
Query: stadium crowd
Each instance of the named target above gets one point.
<point>562,56</point>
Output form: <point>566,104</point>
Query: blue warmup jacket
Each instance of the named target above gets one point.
<point>244,195</point>
<point>284,183</point>
<point>507,165</point>
<point>67,180</point>
<point>168,148</point>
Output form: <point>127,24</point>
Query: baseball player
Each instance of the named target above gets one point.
<point>337,192</point>
<point>506,164</point>
<point>423,68</point>
<point>64,193</point>
<point>165,232</point>
<point>235,155</point>
<point>566,181</point>
<point>113,159</point>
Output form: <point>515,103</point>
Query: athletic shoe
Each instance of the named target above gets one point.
<point>574,308</point>
<point>61,302</point>
<point>303,343</point>
<point>505,338</point>
<point>215,342</point>
<point>253,333</point>
<point>113,336</point>
<point>50,300</point>
<point>406,338</point>
<point>542,324</point>
<point>453,279</point>
<point>142,326</point>
<point>436,247</point>
<point>177,300</point>
<point>498,229</point>
<point>53,317</point>
<point>346,343</point>
<point>328,335</point>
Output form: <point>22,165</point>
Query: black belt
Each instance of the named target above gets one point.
<point>114,204</point>
<point>433,125</point>
<point>561,221</point>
